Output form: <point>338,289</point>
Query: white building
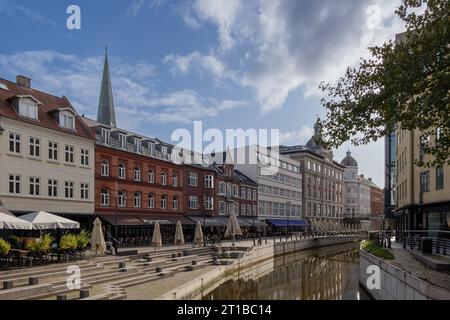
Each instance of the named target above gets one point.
<point>279,184</point>
<point>46,154</point>
<point>357,190</point>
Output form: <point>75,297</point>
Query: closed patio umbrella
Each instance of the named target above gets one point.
<point>97,238</point>
<point>198,236</point>
<point>10,222</point>
<point>45,221</point>
<point>179,236</point>
<point>157,239</point>
<point>233,227</point>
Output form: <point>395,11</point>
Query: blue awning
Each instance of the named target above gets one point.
<point>287,223</point>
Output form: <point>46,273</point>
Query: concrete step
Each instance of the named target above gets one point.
<point>36,271</point>
<point>23,292</point>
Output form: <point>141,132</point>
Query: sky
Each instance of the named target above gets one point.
<point>228,63</point>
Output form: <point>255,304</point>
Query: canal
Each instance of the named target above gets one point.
<point>329,273</point>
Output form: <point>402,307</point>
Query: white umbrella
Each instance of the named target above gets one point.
<point>157,239</point>
<point>198,237</point>
<point>97,238</point>
<point>4,210</point>
<point>179,236</point>
<point>12,223</point>
<point>43,221</point>
<point>233,227</point>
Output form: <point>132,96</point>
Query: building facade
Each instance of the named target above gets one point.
<point>322,180</point>
<point>357,201</point>
<point>46,154</point>
<point>423,194</point>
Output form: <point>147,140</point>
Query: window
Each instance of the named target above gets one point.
<point>163,202</point>
<point>122,141</point>
<point>236,190</point>
<point>53,151</point>
<point>151,149</point>
<point>122,200</point>
<point>254,195</point>
<point>175,203</point>
<point>28,109</point>
<point>193,179</point>
<point>209,203</point>
<point>175,180</point>
<point>68,189</point>
<point>52,188</point>
<point>163,178</point>
<point>137,199</point>
<point>69,154</point>
<point>14,143</point>
<point>151,176</point>
<point>243,210</point>
<point>84,157</point>
<point>254,209</point>
<point>104,197</point>
<point>244,192</point>
<point>209,181</point>
<point>138,145</point>
<point>193,202</point>
<point>222,188</point>
<point>222,208</point>
<point>35,186</point>
<point>151,201</point>
<point>425,182</point>
<point>439,178</point>
<point>106,136</point>
<point>14,184</point>
<point>122,171</point>
<point>104,168</point>
<point>84,191</point>
<point>137,174</point>
<point>249,194</point>
<point>68,121</point>
<point>163,150</point>
<point>35,147</point>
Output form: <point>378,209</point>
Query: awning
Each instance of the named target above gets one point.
<point>12,223</point>
<point>250,222</point>
<point>210,221</point>
<point>144,220</point>
<point>287,223</point>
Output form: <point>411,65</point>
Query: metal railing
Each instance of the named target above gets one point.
<point>436,240</point>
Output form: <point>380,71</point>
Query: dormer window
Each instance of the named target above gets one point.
<point>68,121</point>
<point>138,145</point>
<point>151,148</point>
<point>164,150</point>
<point>122,141</point>
<point>106,136</point>
<point>28,108</point>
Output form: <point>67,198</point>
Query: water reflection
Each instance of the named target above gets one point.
<point>324,274</point>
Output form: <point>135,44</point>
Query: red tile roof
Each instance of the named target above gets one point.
<point>49,104</point>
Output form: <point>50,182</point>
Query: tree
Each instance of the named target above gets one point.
<point>405,84</point>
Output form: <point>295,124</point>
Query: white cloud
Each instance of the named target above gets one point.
<point>297,137</point>
<point>137,102</point>
<point>294,44</point>
<point>137,6</point>
<point>196,61</point>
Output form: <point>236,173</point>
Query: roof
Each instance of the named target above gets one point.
<point>49,104</point>
<point>349,161</point>
<point>106,113</point>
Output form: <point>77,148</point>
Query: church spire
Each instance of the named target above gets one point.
<point>106,113</point>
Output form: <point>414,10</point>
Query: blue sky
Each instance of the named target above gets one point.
<point>229,63</point>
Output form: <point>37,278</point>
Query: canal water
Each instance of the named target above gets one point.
<point>329,273</point>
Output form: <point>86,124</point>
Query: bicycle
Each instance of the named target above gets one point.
<point>213,241</point>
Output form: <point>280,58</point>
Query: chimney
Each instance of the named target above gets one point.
<point>23,81</point>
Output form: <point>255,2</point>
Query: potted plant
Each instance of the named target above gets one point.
<point>5,247</point>
<point>83,239</point>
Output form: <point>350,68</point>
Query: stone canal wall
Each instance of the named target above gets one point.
<point>396,284</point>
<point>249,263</point>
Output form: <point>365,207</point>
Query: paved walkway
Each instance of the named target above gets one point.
<point>406,261</point>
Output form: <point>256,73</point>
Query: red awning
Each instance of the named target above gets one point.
<point>144,220</point>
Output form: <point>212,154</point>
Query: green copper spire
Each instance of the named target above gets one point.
<point>106,114</point>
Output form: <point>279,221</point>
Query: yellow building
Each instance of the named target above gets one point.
<point>422,194</point>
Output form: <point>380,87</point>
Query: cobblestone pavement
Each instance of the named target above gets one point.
<point>406,261</point>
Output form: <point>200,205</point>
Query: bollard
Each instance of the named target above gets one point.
<point>174,255</point>
<point>84,294</point>
<point>8,285</point>
<point>33,281</point>
<point>194,263</point>
<point>159,269</point>
<point>61,297</point>
<point>122,265</point>
<point>149,259</point>
<point>180,254</point>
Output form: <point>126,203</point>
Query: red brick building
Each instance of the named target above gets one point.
<point>376,206</point>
